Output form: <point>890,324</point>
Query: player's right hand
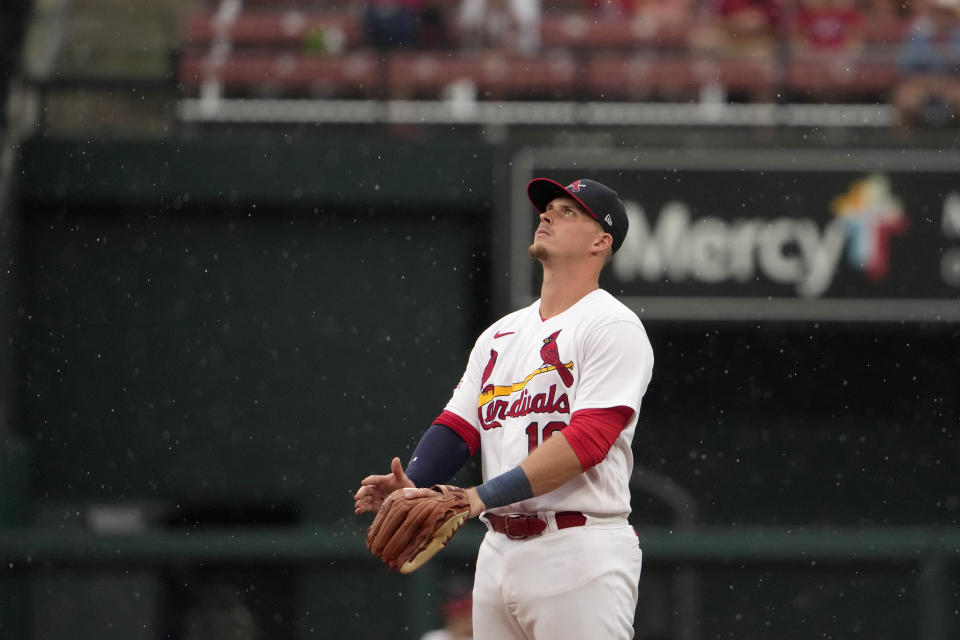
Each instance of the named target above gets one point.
<point>374,489</point>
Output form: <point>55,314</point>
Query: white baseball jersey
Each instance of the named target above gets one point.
<point>527,376</point>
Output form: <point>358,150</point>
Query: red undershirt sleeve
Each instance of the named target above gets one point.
<point>592,432</point>
<point>462,428</point>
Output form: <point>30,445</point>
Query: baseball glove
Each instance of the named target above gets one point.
<point>412,525</point>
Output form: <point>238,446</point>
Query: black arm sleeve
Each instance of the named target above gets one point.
<point>440,454</point>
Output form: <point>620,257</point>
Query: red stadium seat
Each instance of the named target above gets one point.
<point>304,5</point>
<point>494,75</point>
<point>275,28</point>
<point>739,74</point>
<point>831,77</point>
<point>577,30</point>
<point>617,76</point>
<point>678,77</point>
<point>286,74</point>
<point>887,30</point>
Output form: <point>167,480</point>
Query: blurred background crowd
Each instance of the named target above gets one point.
<point>672,50</point>
<point>740,50</point>
<point>904,53</point>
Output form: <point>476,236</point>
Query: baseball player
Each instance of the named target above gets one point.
<point>550,398</point>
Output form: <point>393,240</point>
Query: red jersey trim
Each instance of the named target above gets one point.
<point>462,428</point>
<point>592,432</point>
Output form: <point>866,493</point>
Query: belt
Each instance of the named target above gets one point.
<point>519,526</point>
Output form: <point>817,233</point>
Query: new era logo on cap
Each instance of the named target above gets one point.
<point>597,199</point>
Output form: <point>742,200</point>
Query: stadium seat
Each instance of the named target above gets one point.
<point>271,73</point>
<point>746,74</point>
<point>493,74</point>
<point>289,28</point>
<point>675,77</point>
<point>886,30</point>
<point>620,76</point>
<point>836,78</point>
<point>575,30</point>
<point>304,5</point>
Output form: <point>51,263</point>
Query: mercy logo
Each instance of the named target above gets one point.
<point>792,250</point>
<point>872,214</point>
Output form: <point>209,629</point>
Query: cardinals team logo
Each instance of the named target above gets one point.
<point>551,356</point>
<point>498,402</point>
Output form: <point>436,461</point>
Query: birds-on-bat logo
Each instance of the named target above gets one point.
<point>499,402</point>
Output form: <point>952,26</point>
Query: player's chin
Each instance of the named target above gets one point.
<point>537,251</point>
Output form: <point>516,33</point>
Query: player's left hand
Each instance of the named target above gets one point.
<point>414,524</point>
<point>375,489</point>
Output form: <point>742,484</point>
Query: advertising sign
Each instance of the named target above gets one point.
<point>778,235</point>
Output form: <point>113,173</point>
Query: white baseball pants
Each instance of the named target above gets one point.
<point>570,584</point>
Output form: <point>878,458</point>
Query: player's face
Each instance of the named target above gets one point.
<point>565,230</point>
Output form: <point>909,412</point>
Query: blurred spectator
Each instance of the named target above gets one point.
<point>929,59</point>
<point>392,24</point>
<point>432,32</point>
<point>666,13</point>
<point>827,25</point>
<point>611,9</point>
<point>881,9</point>
<point>742,37</point>
<point>657,13</point>
<point>738,27</point>
<point>511,25</point>
<point>457,618</point>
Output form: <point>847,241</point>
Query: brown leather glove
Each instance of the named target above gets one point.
<point>412,525</point>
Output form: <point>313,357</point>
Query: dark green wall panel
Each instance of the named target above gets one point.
<point>237,356</point>
<point>343,169</point>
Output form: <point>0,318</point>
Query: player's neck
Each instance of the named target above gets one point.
<point>563,289</point>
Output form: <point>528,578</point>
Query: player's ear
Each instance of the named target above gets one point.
<point>603,242</point>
